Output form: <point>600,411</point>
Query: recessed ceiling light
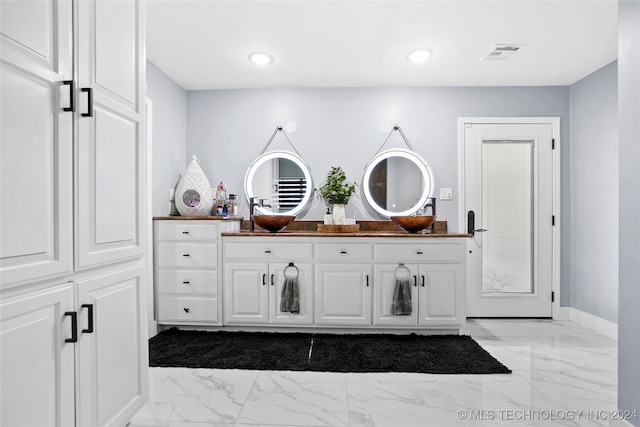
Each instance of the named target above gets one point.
<point>419,56</point>
<point>260,58</point>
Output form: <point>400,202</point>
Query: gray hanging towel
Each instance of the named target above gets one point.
<point>289,297</point>
<point>401,298</point>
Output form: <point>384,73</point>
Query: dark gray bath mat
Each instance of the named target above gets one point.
<point>432,354</point>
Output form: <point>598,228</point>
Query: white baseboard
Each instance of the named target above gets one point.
<point>589,321</point>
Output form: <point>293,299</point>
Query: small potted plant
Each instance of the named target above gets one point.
<point>336,191</point>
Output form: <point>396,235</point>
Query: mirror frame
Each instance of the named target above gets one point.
<point>251,171</point>
<point>425,170</point>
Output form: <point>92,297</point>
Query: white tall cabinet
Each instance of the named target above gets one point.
<point>72,277</point>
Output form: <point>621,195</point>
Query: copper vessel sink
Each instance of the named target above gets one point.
<point>413,224</point>
<point>273,223</point>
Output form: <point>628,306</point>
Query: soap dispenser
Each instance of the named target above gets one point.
<point>328,218</point>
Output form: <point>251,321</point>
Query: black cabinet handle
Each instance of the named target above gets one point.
<point>185,255</point>
<point>415,281</point>
<point>89,308</point>
<point>74,326</point>
<point>422,280</point>
<point>186,282</point>
<point>185,232</point>
<point>419,252</point>
<point>343,252</point>
<point>264,279</point>
<point>272,280</point>
<point>186,310</point>
<point>72,91</point>
<point>89,92</point>
<point>367,280</point>
<point>267,251</point>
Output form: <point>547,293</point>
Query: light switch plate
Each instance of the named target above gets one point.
<point>446,194</point>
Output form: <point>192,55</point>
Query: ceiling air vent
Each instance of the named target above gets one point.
<point>501,51</point>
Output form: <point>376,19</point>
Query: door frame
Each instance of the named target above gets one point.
<point>557,312</point>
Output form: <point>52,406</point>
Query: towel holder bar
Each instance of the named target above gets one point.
<point>291,265</point>
<point>402,268</point>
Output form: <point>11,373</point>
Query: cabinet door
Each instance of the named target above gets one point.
<point>113,354</point>
<point>441,298</point>
<point>246,293</point>
<point>343,294</point>
<point>303,275</point>
<point>37,140</point>
<point>385,278</point>
<point>37,364</point>
<point>110,149</point>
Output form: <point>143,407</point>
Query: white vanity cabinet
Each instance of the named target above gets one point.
<point>345,282</point>
<point>187,270</point>
<point>436,273</point>
<point>252,289</point>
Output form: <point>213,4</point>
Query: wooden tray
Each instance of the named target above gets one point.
<point>351,228</point>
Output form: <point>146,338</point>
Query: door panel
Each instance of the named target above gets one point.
<point>110,150</point>
<point>246,293</point>
<point>343,294</point>
<point>37,140</point>
<point>303,274</point>
<point>509,187</point>
<point>113,357</point>
<point>385,278</point>
<point>439,299</point>
<point>37,364</point>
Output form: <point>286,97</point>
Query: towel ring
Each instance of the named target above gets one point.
<point>402,269</point>
<point>297,272</point>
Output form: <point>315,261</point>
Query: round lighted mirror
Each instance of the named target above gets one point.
<point>397,183</point>
<point>283,180</point>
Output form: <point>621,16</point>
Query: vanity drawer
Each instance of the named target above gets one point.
<point>448,252</point>
<point>344,251</point>
<point>187,309</point>
<point>171,281</point>
<point>191,255</point>
<point>186,230</point>
<point>266,251</point>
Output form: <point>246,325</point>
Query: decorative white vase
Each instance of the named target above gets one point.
<point>193,193</point>
<point>338,214</point>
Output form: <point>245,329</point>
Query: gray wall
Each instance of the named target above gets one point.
<point>629,261</point>
<point>227,129</point>
<point>594,193</point>
<point>169,135</point>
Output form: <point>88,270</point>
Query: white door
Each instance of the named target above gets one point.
<point>110,178</point>
<point>439,289</point>
<point>343,294</point>
<point>36,130</point>
<point>508,194</point>
<point>36,358</point>
<point>113,355</point>
<point>385,277</point>
<point>303,273</point>
<point>246,293</point>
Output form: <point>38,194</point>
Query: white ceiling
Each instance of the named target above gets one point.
<point>205,44</point>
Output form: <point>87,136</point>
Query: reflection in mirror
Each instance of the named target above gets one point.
<point>397,182</point>
<point>283,180</point>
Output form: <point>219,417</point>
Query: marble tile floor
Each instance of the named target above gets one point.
<point>563,375</point>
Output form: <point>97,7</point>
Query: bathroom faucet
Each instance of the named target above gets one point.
<point>253,203</point>
<point>431,203</point>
